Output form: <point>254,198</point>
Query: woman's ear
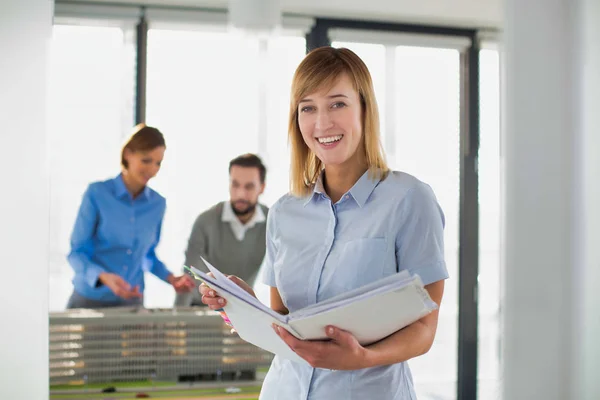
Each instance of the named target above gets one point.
<point>127,153</point>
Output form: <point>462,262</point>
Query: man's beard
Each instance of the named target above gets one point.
<point>245,209</point>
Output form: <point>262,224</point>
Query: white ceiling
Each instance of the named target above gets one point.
<point>463,13</point>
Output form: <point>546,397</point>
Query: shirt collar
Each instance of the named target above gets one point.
<point>121,189</point>
<point>360,192</point>
<point>318,189</point>
<point>229,216</point>
<point>363,188</point>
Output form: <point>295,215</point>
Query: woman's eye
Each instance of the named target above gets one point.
<point>339,105</point>
<point>306,109</point>
<point>146,161</point>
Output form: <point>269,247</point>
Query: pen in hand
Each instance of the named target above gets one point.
<point>221,311</point>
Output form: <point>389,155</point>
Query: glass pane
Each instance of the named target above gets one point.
<point>423,115</point>
<point>427,137</point>
<point>284,56</point>
<point>210,93</point>
<point>205,104</point>
<point>374,56</point>
<point>489,226</point>
<point>90,110</point>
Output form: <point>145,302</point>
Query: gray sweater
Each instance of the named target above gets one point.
<point>214,240</point>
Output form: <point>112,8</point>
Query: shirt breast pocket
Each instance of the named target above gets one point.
<point>361,262</point>
<point>111,229</point>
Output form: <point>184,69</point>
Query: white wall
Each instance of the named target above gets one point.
<point>589,350</point>
<point>552,194</point>
<point>473,13</point>
<point>24,35</point>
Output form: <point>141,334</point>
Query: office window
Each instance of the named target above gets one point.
<point>284,56</point>
<point>427,145</point>
<point>489,223</point>
<point>375,58</point>
<point>418,93</point>
<point>90,110</point>
<point>215,96</point>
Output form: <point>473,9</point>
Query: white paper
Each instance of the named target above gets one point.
<point>370,313</point>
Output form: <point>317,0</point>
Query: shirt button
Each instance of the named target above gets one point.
<point>129,251</point>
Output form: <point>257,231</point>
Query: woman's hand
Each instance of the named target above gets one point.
<point>182,284</point>
<point>213,300</point>
<point>119,286</point>
<point>342,352</point>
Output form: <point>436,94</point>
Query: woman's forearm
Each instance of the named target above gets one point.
<point>412,341</point>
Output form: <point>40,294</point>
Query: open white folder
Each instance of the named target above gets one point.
<point>371,312</point>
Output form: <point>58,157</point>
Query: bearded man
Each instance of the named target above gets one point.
<point>231,234</point>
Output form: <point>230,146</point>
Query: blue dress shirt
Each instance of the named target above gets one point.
<point>317,250</point>
<point>118,234</point>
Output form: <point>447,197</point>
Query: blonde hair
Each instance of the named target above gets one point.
<point>321,69</point>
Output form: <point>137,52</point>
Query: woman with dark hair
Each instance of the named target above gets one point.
<point>118,228</point>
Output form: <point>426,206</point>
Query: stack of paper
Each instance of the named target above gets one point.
<point>371,312</point>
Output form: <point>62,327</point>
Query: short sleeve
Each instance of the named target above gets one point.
<point>268,276</point>
<point>420,239</point>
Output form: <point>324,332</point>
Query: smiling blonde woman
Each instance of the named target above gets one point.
<point>347,222</point>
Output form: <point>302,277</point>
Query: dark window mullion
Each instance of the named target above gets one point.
<point>317,37</point>
<point>469,225</point>
<point>141,67</point>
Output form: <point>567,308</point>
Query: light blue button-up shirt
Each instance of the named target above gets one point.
<point>116,233</point>
<point>317,250</point>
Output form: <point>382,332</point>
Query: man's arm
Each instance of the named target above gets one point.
<point>197,245</point>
